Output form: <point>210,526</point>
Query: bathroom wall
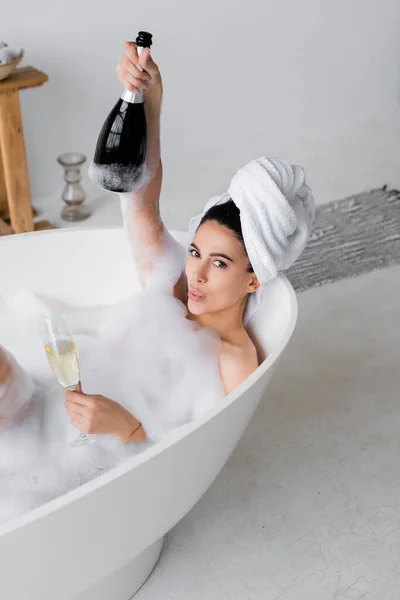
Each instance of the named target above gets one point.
<point>316,82</point>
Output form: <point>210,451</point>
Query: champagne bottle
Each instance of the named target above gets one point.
<point>119,162</point>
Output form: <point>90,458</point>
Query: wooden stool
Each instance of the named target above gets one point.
<point>15,199</point>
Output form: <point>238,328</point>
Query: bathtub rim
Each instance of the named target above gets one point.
<point>171,438</point>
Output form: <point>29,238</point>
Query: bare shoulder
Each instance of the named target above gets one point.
<point>236,363</point>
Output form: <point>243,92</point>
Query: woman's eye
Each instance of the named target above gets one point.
<point>220,264</point>
<point>194,252</point>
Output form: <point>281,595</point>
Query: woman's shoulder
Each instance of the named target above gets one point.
<point>236,363</point>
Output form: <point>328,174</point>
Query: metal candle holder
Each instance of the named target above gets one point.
<point>73,194</point>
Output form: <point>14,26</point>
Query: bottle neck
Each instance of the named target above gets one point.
<point>134,97</point>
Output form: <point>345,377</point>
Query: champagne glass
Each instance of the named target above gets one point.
<point>63,358</point>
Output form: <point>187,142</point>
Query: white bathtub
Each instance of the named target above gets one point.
<point>102,540</point>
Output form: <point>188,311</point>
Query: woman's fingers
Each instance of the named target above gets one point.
<point>74,409</point>
<point>123,76</point>
<point>97,414</point>
<point>81,424</point>
<point>131,51</point>
<point>134,69</point>
<point>78,389</point>
<point>137,72</point>
<point>130,77</point>
<point>147,63</point>
<point>81,398</point>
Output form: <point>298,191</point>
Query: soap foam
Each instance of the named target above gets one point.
<point>141,352</point>
<point>117,177</point>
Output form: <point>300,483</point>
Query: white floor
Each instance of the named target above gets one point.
<point>308,507</point>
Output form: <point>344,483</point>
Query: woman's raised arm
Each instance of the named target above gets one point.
<point>150,242</point>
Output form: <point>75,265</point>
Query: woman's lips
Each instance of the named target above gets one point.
<point>195,296</point>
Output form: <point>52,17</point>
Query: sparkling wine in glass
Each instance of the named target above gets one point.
<point>63,358</point>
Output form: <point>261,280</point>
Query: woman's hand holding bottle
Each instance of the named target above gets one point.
<point>139,73</point>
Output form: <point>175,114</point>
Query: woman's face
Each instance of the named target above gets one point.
<point>217,270</point>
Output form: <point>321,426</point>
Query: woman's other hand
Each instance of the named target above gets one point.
<point>139,72</point>
<point>98,414</point>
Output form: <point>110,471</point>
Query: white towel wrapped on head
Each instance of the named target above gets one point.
<point>276,213</point>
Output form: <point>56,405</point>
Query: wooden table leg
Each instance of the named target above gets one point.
<point>3,194</point>
<point>4,228</point>
<point>14,163</point>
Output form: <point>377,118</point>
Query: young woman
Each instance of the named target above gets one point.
<point>217,278</point>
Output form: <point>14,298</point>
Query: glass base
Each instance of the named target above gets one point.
<point>83,440</point>
<point>75,213</point>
